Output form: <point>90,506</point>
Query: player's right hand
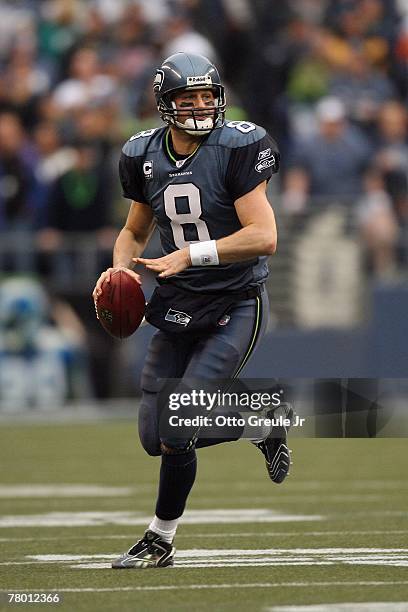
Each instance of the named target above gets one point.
<point>106,276</point>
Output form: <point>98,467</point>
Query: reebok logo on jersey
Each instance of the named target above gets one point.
<point>199,80</point>
<point>176,316</point>
<point>265,163</point>
<point>264,154</point>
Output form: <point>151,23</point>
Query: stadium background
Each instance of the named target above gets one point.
<point>328,79</point>
<point>76,82</point>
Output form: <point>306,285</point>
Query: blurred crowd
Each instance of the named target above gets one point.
<point>327,78</point>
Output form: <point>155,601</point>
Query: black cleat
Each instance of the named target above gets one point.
<point>275,449</point>
<point>150,551</point>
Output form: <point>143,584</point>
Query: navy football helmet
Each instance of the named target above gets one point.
<point>185,71</point>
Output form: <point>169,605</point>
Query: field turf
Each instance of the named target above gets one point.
<point>72,497</point>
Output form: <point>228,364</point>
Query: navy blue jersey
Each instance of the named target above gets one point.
<point>193,199</point>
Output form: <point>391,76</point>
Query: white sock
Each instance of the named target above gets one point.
<point>165,529</point>
<point>261,433</point>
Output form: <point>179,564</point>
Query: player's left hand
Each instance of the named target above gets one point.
<point>169,264</point>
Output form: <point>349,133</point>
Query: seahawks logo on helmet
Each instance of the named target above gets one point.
<point>158,80</point>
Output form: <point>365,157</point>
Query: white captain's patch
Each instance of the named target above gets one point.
<point>148,169</point>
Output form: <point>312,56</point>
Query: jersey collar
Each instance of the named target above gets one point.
<point>177,159</point>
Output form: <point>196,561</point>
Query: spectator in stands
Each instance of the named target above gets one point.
<point>100,128</point>
<point>86,84</point>
<point>378,227</point>
<point>16,176</point>
<point>296,191</point>
<point>329,165</point>
<point>80,201</point>
<point>81,196</point>
<point>398,68</point>
<point>179,34</point>
<point>380,19</point>
<point>58,30</point>
<point>97,33</point>
<point>25,81</point>
<point>52,159</point>
<point>391,158</point>
<point>366,25</point>
<point>391,161</point>
<point>308,72</point>
<point>362,88</point>
<point>134,57</point>
<point>268,67</point>
<point>17,24</point>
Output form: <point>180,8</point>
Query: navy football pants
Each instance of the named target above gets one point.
<point>220,355</point>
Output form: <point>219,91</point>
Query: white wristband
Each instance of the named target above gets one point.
<point>204,253</point>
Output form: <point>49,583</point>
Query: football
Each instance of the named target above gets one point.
<point>121,305</point>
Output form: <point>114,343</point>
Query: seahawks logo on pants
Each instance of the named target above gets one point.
<point>176,316</point>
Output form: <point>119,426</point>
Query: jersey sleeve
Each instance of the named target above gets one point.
<point>131,178</point>
<point>250,165</point>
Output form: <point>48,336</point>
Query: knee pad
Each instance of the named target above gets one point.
<point>219,360</point>
<point>165,359</point>
<point>149,425</point>
<point>150,444</point>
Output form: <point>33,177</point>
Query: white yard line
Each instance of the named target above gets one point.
<point>365,513</point>
<point>97,490</point>
<point>191,517</point>
<point>353,484</point>
<point>198,553</point>
<point>240,557</point>
<point>67,490</point>
<point>306,498</point>
<point>371,606</point>
<point>239,585</point>
<point>224,534</point>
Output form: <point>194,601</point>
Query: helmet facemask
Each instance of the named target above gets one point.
<point>214,115</point>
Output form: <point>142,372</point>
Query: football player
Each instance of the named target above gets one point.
<point>202,181</point>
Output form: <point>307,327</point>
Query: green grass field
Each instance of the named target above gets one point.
<point>74,496</point>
